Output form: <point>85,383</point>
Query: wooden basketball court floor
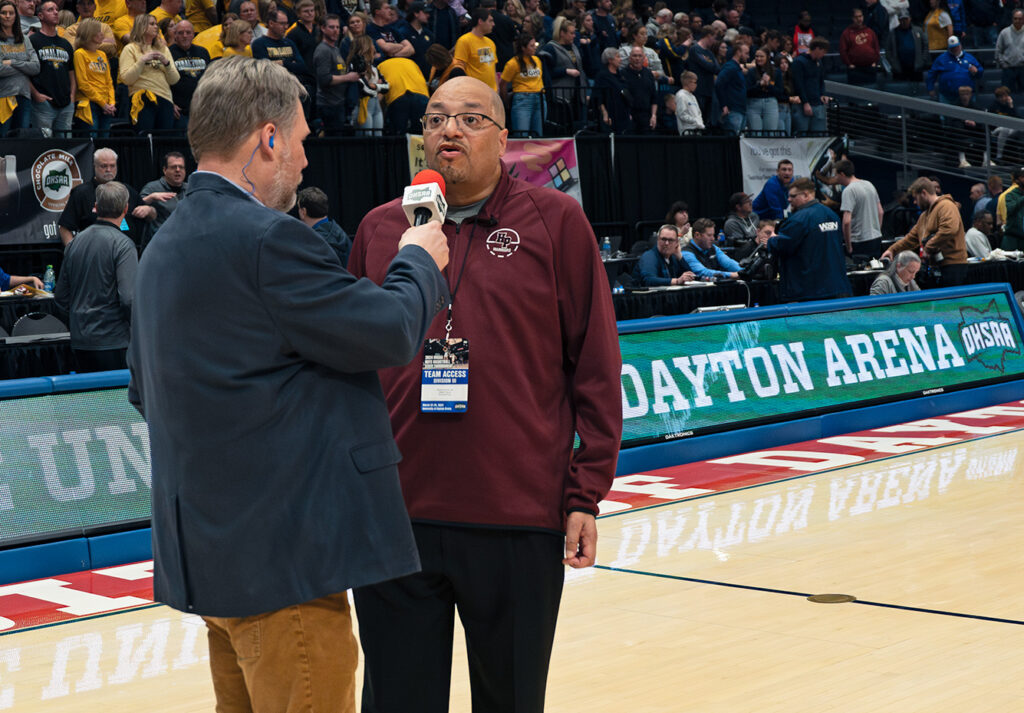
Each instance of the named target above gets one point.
<point>701,605</point>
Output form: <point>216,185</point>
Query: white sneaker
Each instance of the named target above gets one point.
<point>964,163</point>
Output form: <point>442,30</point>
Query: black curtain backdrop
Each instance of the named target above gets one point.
<point>646,176</point>
<point>654,173</point>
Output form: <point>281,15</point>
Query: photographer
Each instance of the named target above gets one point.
<point>938,235</point>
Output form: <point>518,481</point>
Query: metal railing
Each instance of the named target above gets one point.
<point>925,133</point>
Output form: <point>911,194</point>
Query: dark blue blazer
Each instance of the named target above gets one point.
<point>253,360</point>
<point>651,269</point>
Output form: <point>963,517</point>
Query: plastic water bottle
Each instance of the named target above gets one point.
<point>606,249</point>
<point>49,279</point>
<point>721,236</point>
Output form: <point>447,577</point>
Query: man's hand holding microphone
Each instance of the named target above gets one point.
<point>425,207</point>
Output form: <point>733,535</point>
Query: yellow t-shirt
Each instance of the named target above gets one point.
<point>209,40</point>
<point>195,12</point>
<point>107,11</point>
<point>478,56</point>
<point>232,52</point>
<point>160,14</point>
<point>403,75</point>
<point>92,74</point>
<point>935,24</point>
<point>528,81</point>
<point>122,28</point>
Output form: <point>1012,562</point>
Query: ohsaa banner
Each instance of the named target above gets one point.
<point>35,184</point>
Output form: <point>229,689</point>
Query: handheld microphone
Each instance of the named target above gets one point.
<point>423,201</point>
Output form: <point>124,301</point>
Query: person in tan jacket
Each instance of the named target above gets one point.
<point>938,235</point>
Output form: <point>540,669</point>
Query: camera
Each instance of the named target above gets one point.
<point>759,265</point>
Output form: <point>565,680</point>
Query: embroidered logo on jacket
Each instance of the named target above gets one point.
<point>503,242</point>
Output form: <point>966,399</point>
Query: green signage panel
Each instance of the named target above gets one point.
<point>684,381</point>
<point>70,462</point>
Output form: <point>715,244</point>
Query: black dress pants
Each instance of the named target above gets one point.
<point>506,586</point>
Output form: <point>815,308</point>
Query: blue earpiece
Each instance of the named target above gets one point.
<point>271,142</point>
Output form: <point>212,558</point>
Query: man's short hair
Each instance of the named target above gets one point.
<point>765,221</point>
<point>906,257</point>
<point>783,162</point>
<point>313,201</point>
<point>111,199</point>
<point>738,199</point>
<point>477,16</point>
<point>844,166</point>
<point>702,224</point>
<point>708,31</point>
<point>331,16</point>
<point>803,185</point>
<point>104,152</point>
<point>980,216</point>
<point>819,43</point>
<point>688,76</point>
<point>922,185</point>
<point>235,97</point>
<point>666,226</point>
<point>172,154</point>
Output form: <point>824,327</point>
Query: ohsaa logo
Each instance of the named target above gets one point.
<point>54,174</point>
<point>987,336</point>
<point>503,242</point>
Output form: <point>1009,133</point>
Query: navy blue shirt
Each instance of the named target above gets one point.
<point>812,258</point>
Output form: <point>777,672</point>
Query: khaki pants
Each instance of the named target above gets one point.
<point>300,658</point>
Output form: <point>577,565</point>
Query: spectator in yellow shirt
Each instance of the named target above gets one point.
<point>148,70</point>
<point>524,74</point>
<point>94,95</point>
<point>167,8</point>
<point>237,39</point>
<point>477,53</point>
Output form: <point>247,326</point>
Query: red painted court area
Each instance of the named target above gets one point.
<point>99,592</point>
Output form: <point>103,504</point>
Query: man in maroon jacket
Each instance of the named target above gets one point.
<point>859,50</point>
<point>498,497</point>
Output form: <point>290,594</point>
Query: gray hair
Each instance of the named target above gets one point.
<point>104,152</point>
<point>606,56</point>
<point>673,228</point>
<point>235,97</point>
<point>111,199</point>
<point>905,258</point>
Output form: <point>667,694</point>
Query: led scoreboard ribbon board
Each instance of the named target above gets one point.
<point>699,375</point>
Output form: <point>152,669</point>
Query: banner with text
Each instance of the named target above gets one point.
<point>759,158</point>
<point>542,162</point>
<point>35,185</point>
<point>699,379</point>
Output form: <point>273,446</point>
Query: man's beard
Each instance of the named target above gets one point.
<point>282,192</point>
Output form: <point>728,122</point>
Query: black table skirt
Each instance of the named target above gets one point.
<point>23,361</point>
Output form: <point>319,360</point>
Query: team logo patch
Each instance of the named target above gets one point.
<point>503,242</point>
<point>54,174</point>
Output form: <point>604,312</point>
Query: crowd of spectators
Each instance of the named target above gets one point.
<point>369,66</point>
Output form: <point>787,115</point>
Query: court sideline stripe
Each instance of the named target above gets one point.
<point>77,619</point>
<point>750,587</point>
<point>788,478</point>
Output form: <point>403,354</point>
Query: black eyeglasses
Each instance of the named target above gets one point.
<point>469,121</point>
